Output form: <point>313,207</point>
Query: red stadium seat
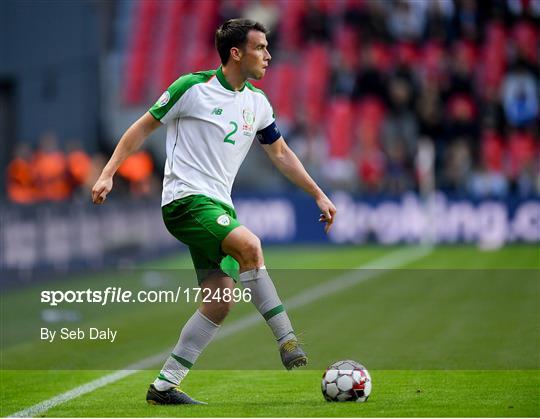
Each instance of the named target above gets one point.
<point>282,96</point>
<point>493,65</point>
<point>525,36</point>
<point>371,167</point>
<point>314,84</point>
<point>369,116</point>
<point>347,43</point>
<point>523,150</point>
<point>496,34</point>
<point>433,58</point>
<point>171,49</point>
<point>382,56</point>
<point>492,151</point>
<point>467,52</point>
<point>406,54</point>
<point>290,24</point>
<point>138,56</point>
<point>340,128</point>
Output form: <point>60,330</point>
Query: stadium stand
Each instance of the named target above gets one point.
<point>470,72</point>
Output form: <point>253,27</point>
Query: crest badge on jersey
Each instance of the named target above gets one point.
<point>249,119</point>
<point>164,98</point>
<point>223,220</point>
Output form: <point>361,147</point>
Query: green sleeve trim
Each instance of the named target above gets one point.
<point>182,361</point>
<point>271,313</point>
<point>177,90</point>
<point>254,89</point>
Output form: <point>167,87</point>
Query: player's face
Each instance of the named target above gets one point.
<point>255,55</point>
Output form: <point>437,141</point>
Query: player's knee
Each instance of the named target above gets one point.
<point>252,253</point>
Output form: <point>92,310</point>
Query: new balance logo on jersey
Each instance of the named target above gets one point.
<point>217,111</point>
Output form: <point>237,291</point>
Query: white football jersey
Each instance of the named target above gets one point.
<point>210,128</point>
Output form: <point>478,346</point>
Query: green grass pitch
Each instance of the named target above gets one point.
<point>452,333</point>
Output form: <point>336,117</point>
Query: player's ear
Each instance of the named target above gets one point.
<point>236,53</point>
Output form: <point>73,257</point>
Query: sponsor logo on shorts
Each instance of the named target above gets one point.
<point>164,98</point>
<point>224,220</point>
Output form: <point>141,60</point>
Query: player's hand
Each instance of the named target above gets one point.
<point>328,212</point>
<point>100,190</point>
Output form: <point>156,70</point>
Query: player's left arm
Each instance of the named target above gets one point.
<point>288,163</point>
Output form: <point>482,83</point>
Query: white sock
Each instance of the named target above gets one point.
<point>265,298</point>
<point>196,334</point>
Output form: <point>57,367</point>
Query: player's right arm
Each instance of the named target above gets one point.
<point>129,143</point>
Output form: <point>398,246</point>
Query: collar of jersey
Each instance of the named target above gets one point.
<point>223,81</point>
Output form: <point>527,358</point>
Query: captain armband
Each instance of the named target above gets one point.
<point>269,134</point>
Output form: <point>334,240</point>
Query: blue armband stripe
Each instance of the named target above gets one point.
<point>269,134</point>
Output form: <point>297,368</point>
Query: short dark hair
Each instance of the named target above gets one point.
<point>233,33</point>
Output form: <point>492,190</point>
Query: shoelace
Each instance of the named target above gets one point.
<point>290,346</point>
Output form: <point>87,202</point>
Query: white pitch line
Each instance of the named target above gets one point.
<point>369,270</point>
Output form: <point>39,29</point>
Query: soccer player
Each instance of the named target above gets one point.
<point>212,118</point>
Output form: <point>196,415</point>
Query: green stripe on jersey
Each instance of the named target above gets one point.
<point>254,89</point>
<point>176,90</point>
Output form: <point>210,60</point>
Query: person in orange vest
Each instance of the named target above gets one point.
<point>51,169</point>
<point>21,188</point>
<point>79,165</point>
<point>137,169</point>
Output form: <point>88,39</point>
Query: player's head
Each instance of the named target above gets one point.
<point>243,42</point>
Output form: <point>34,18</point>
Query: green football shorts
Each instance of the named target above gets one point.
<point>202,223</point>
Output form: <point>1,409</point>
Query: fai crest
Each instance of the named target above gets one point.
<point>164,98</point>
<point>249,117</point>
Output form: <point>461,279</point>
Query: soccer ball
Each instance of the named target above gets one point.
<point>346,381</point>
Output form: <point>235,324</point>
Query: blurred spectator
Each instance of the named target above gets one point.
<point>400,127</point>
<point>489,179</point>
<point>266,12</point>
<point>458,165</point>
<point>524,8</point>
<point>524,151</point>
<point>520,91</point>
<point>407,19</point>
<point>50,165</point>
<point>440,14</point>
<point>369,80</point>
<point>430,114</point>
<point>369,18</point>
<point>20,186</point>
<point>462,72</point>
<point>399,136</point>
<point>137,169</point>
<point>399,173</point>
<point>469,19</point>
<point>343,77</point>
<point>491,112</point>
<point>462,120</point>
<point>79,165</point>
<point>381,74</point>
<point>316,22</point>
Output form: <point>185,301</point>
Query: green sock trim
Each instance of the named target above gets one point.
<point>271,313</point>
<point>183,361</point>
<point>162,377</point>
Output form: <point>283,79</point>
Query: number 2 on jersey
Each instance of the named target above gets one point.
<point>227,138</point>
